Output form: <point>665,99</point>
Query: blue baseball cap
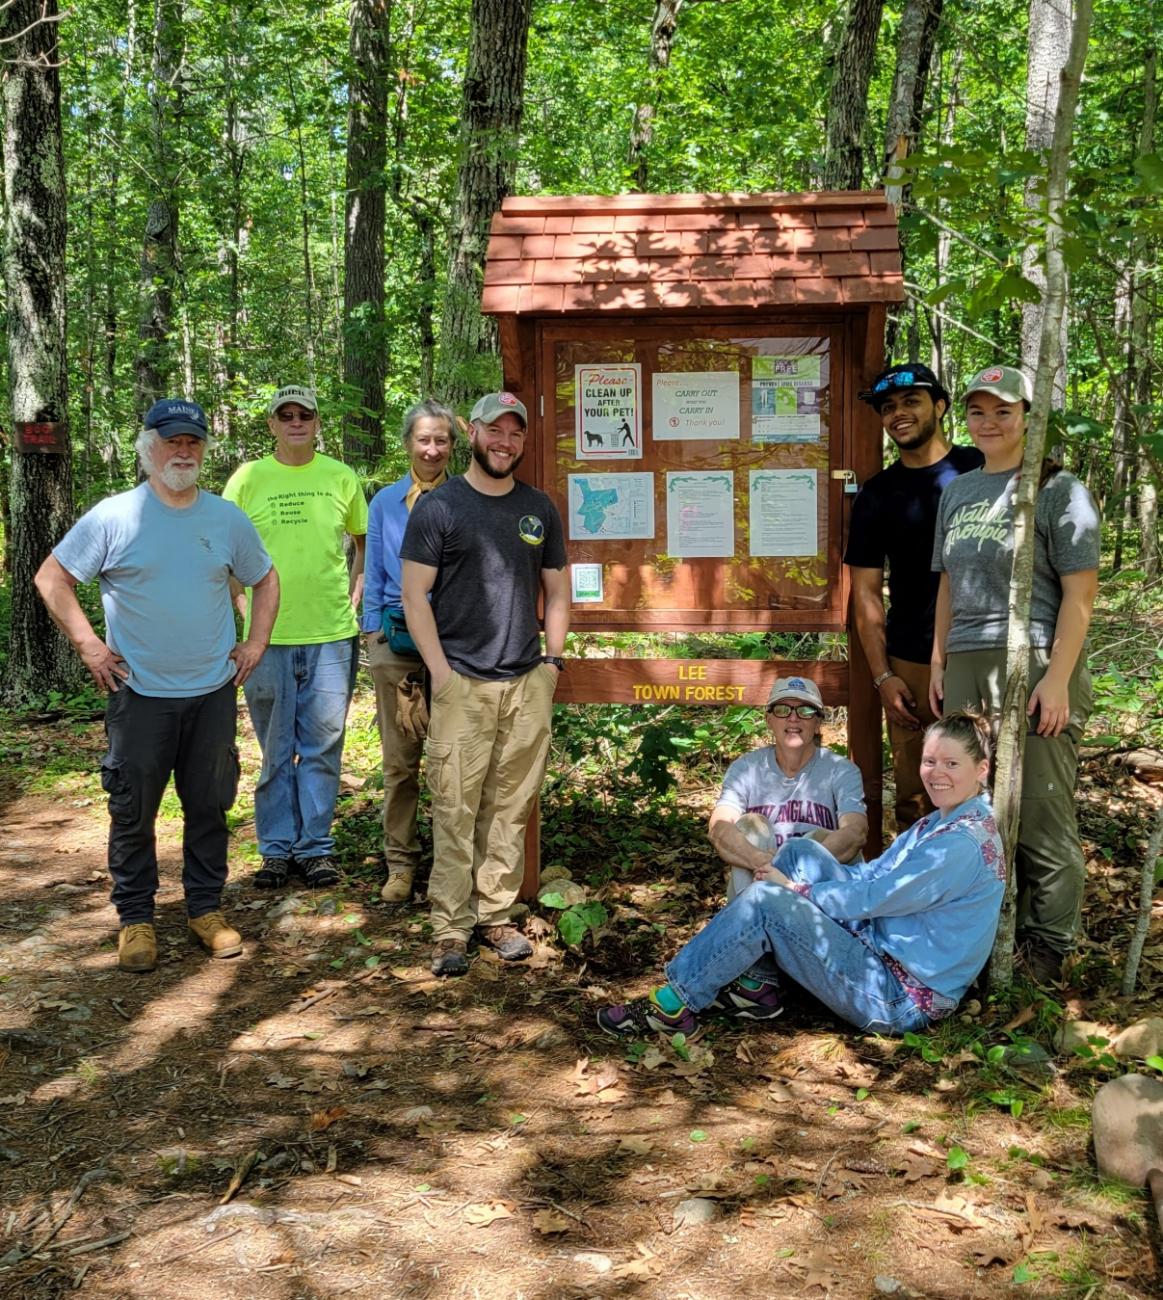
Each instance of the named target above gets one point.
<point>174,415</point>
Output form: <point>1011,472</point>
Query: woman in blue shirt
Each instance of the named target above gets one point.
<point>889,945</point>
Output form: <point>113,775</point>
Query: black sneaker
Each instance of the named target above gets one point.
<point>743,1003</point>
<point>319,873</point>
<point>274,873</point>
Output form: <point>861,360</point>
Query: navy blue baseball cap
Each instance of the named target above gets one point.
<point>896,379</point>
<point>174,415</point>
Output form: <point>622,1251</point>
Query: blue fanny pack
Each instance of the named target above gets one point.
<point>396,633</point>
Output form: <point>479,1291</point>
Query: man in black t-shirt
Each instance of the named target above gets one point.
<point>893,521</point>
<point>477,553</point>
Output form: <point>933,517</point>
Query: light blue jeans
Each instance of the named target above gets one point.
<point>298,697</point>
<point>817,952</point>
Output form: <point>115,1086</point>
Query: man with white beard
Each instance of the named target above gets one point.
<point>170,662</point>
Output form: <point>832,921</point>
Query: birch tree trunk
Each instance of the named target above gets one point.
<point>662,32</point>
<point>1141,318</point>
<point>1012,730</point>
<point>1048,45</point>
<point>154,364</point>
<point>848,97</point>
<point>365,363</point>
<point>35,222</point>
<point>494,100</point>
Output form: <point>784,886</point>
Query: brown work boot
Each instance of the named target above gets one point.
<point>212,932</point>
<point>398,886</point>
<point>137,947</point>
<point>450,957</point>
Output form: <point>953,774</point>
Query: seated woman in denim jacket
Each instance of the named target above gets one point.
<point>889,945</point>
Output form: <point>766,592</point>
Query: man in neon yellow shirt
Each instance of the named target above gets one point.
<point>303,504</point>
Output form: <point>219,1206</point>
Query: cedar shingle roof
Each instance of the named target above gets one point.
<point>648,252</point>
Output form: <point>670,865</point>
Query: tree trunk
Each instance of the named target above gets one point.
<point>914,51</point>
<point>494,100</point>
<point>1141,316</point>
<point>1012,731</point>
<point>1048,44</point>
<point>426,225</point>
<point>365,363</point>
<point>662,32</point>
<point>1123,423</point>
<point>848,97</point>
<point>944,240</point>
<point>35,222</point>
<point>305,224</point>
<point>154,365</point>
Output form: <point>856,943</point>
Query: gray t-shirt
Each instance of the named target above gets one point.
<point>488,552</point>
<point>974,544</point>
<point>814,799</point>
<point>165,584</point>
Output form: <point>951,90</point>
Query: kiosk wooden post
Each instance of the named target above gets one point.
<point>690,364</point>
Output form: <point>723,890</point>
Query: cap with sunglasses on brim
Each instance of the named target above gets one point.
<point>898,379</point>
<point>801,689</point>
<point>305,397</point>
<point>1007,382</point>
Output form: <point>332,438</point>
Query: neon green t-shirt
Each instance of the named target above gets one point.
<point>301,513</point>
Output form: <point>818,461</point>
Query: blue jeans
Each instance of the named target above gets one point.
<point>817,952</point>
<point>298,697</point>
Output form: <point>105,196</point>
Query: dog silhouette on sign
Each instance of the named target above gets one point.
<point>592,439</point>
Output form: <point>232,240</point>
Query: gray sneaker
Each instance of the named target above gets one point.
<point>506,941</point>
<point>450,957</point>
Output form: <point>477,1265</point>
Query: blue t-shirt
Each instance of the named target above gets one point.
<point>165,584</point>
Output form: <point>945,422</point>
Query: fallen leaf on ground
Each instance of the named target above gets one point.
<point>1075,1220</point>
<point>635,1144</point>
<point>549,1221</point>
<point>987,1256</point>
<point>280,1081</point>
<point>916,1167</point>
<point>481,1215</point>
<point>1023,1017</point>
<point>665,1098</point>
<point>321,1120</point>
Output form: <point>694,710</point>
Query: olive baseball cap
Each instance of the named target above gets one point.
<point>1006,382</point>
<point>493,405</point>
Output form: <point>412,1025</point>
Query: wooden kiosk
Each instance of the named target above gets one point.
<point>690,364</point>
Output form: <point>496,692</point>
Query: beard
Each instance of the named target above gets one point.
<point>922,433</point>
<point>482,459</point>
<point>179,478</point>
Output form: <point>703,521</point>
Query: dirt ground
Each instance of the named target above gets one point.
<point>321,1118</point>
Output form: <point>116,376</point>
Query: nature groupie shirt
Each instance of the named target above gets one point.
<point>488,553</point>
<point>893,519</point>
<point>164,574</point>
<point>302,513</point>
<point>974,544</point>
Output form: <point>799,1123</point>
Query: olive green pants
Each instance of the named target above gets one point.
<point>912,802</point>
<point>486,751</point>
<point>1051,870</point>
<point>400,755</point>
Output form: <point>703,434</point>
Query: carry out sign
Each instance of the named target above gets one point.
<point>608,402</point>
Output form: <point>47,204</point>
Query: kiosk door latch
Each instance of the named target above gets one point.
<point>851,487</point>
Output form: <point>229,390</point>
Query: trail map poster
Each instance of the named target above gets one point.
<point>611,507</point>
<point>608,401</point>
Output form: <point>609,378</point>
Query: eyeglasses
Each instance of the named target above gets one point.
<point>805,711</point>
<point>288,416</point>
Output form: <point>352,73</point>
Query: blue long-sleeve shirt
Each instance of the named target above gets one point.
<point>932,900</point>
<point>386,520</point>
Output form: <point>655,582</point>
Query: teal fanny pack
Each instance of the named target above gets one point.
<point>396,634</point>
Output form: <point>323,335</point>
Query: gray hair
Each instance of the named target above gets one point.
<point>432,409</point>
<point>147,440</point>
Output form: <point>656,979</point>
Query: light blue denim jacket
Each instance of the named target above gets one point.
<point>932,900</point>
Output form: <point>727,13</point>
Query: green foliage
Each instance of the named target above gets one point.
<point>576,920</point>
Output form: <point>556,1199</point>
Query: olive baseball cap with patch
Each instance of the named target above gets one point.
<point>294,393</point>
<point>1006,382</point>
<point>493,405</point>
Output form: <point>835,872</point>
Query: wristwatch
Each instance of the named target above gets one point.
<point>879,680</point>
<point>556,660</point>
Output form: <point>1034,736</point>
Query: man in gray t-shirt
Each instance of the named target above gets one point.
<point>164,554</point>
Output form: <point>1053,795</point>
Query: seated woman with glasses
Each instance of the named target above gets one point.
<point>889,945</point>
<point>794,786</point>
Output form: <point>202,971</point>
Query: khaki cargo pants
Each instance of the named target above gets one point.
<point>912,802</point>
<point>1051,870</point>
<point>487,747</point>
<point>401,756</point>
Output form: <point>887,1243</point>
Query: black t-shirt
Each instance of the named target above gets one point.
<point>488,552</point>
<point>894,517</point>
